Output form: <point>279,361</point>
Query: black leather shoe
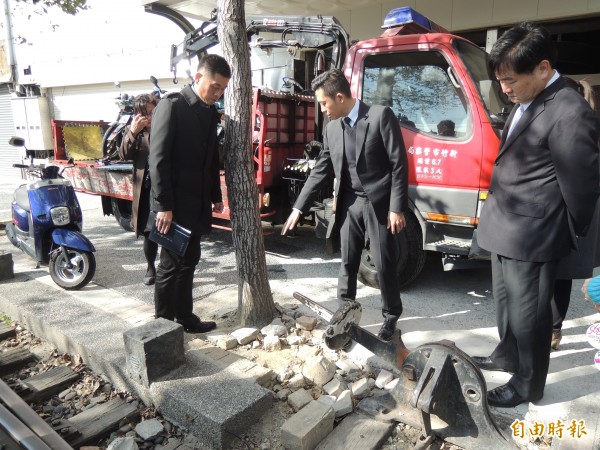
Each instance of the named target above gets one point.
<point>150,277</point>
<point>486,363</point>
<point>505,396</point>
<point>195,325</point>
<point>387,329</point>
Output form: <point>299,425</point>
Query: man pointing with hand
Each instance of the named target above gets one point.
<point>363,148</point>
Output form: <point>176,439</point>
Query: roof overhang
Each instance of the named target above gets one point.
<point>201,9</point>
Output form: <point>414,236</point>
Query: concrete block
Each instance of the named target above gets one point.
<point>297,381</point>
<point>149,429</point>
<point>296,340</point>
<point>343,404</point>
<point>306,323</point>
<point>227,342</point>
<point>262,375</point>
<point>299,399</point>
<point>274,330</point>
<point>309,426</point>
<point>283,394</point>
<point>224,341</point>
<point>327,399</point>
<point>360,388</point>
<point>319,370</point>
<point>347,366</point>
<point>383,378</point>
<point>6,266</point>
<point>123,443</point>
<point>152,350</point>
<point>271,343</point>
<point>392,384</point>
<point>245,335</point>
<point>335,387</point>
<point>358,432</point>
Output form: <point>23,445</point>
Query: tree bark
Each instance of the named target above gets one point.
<point>255,300</point>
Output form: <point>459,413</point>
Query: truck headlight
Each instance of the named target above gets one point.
<point>60,215</point>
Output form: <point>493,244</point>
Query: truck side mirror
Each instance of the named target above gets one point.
<point>16,141</point>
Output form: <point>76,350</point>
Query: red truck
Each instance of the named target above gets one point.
<point>451,113</point>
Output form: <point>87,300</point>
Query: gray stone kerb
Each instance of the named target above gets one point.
<point>202,396</point>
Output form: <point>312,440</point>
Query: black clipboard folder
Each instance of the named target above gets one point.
<point>176,240</point>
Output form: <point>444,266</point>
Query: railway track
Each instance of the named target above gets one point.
<point>36,402</point>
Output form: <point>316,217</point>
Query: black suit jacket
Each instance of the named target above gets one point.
<point>184,162</point>
<point>381,161</point>
<point>545,182</point>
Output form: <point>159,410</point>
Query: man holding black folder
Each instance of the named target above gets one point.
<point>184,171</point>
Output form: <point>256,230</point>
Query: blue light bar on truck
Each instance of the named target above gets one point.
<point>403,16</point>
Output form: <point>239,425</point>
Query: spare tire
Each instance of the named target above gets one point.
<point>411,256</point>
<point>121,209</point>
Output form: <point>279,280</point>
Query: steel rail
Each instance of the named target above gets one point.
<point>25,426</point>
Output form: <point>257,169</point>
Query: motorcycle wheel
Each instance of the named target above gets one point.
<point>76,277</point>
<point>110,149</point>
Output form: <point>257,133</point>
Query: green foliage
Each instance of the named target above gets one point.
<point>71,7</point>
<point>5,318</point>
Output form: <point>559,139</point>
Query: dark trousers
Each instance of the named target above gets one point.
<point>174,282</point>
<point>560,302</point>
<point>523,291</point>
<point>357,216</point>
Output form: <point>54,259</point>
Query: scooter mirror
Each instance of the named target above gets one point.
<point>16,141</point>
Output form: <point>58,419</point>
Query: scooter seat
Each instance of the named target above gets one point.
<point>22,198</point>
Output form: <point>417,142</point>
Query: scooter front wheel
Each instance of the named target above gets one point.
<point>72,270</point>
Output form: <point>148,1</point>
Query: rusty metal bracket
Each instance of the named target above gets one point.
<point>441,390</point>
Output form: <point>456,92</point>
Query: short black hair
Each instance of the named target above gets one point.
<point>140,102</point>
<point>214,64</point>
<point>522,48</point>
<point>446,128</point>
<point>332,82</point>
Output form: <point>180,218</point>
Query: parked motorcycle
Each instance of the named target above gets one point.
<point>47,225</point>
<point>113,136</point>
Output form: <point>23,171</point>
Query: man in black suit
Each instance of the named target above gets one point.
<point>363,147</point>
<point>542,196</point>
<point>184,171</point>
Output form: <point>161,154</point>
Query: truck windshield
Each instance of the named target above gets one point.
<point>421,88</point>
<point>496,103</point>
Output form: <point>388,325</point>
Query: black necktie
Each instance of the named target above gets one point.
<point>347,122</point>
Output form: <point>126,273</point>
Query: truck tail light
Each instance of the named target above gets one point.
<point>447,218</point>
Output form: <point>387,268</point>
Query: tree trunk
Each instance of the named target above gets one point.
<point>255,301</point>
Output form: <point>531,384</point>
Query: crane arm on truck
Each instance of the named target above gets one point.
<point>301,32</point>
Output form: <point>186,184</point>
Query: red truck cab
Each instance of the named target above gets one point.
<point>450,113</point>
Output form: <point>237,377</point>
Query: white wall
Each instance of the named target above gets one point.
<point>461,15</point>
<point>115,40</point>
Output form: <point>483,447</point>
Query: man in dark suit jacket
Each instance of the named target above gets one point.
<point>184,171</point>
<point>542,196</point>
<point>363,147</point>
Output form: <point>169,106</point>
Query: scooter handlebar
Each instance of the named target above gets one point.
<point>22,166</point>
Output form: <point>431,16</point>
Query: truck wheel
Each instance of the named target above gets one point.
<point>121,209</point>
<point>411,256</point>
<point>83,267</point>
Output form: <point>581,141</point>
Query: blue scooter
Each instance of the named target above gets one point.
<point>47,225</point>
